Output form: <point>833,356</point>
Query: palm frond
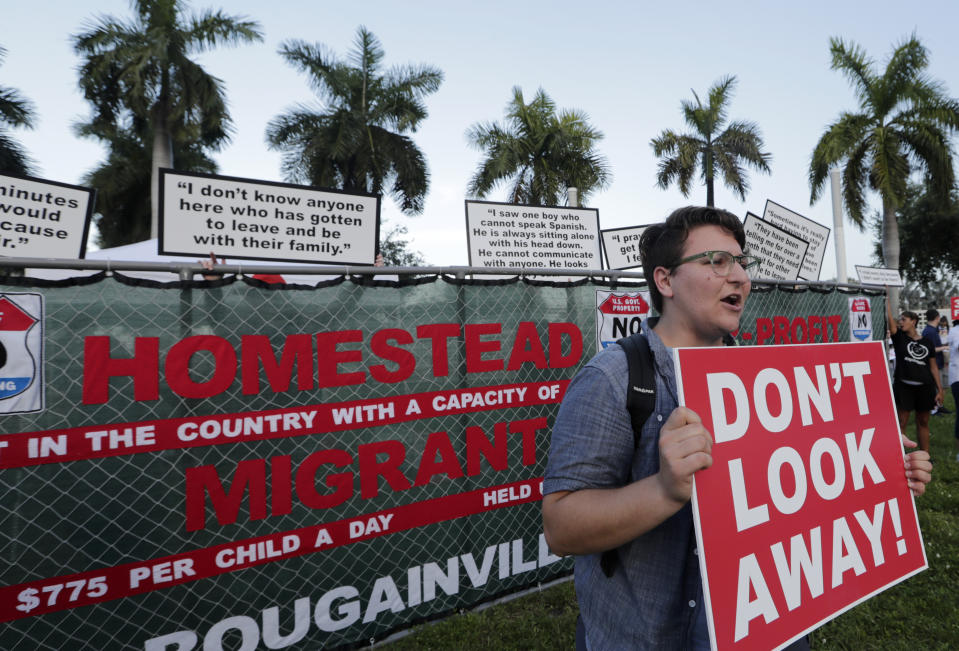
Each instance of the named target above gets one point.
<point>732,172</point>
<point>855,176</point>
<point>13,157</point>
<point>834,145</point>
<point>212,28</point>
<point>852,61</point>
<point>743,140</point>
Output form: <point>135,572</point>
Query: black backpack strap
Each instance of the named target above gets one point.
<point>640,402</point>
<point>641,388</point>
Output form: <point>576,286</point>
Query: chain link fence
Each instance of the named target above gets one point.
<point>64,518</point>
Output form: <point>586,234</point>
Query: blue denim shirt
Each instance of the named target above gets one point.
<point>654,597</point>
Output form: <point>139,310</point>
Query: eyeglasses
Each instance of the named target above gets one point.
<point>722,261</point>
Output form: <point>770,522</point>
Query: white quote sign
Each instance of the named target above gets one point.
<point>244,218</point>
<point>621,246</point>
<point>782,253</point>
<point>879,276</point>
<point>43,219</point>
<point>532,237</point>
<point>804,228</point>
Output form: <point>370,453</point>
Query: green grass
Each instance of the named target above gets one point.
<point>919,613</point>
<point>542,620</point>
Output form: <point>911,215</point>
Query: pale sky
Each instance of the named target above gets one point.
<point>626,64</point>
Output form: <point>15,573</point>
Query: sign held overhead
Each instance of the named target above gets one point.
<point>879,276</point>
<point>244,218</point>
<point>621,246</point>
<point>534,237</point>
<point>782,253</point>
<point>805,229</point>
<point>43,219</point>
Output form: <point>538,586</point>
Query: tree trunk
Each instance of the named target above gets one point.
<point>890,248</point>
<point>708,173</point>
<point>162,157</point>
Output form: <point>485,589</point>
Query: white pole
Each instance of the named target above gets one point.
<point>573,194</point>
<point>838,237</point>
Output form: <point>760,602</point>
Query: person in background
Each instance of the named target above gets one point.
<point>952,342</point>
<point>944,366</point>
<point>931,332</point>
<point>890,354</point>
<point>916,384</point>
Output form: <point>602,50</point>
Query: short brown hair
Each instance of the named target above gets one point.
<point>661,245</point>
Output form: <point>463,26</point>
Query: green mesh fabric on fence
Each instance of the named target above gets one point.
<point>459,477</point>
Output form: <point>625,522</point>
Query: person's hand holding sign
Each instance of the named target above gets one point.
<point>684,447</point>
<point>208,265</point>
<point>918,467</point>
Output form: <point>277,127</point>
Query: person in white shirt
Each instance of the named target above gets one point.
<point>953,343</point>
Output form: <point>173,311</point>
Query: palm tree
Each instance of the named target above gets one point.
<point>396,251</point>
<point>357,140</point>
<point>540,153</point>
<point>15,111</point>
<point>903,125</point>
<point>928,234</point>
<point>122,181</point>
<point>710,147</point>
<point>139,75</point>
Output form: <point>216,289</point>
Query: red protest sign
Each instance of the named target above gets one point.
<point>954,304</point>
<point>805,511</point>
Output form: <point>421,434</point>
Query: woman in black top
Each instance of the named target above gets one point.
<point>916,379</point>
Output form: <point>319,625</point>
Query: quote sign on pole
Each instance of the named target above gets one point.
<point>804,228</point>
<point>532,237</point>
<point>782,253</point>
<point>806,510</point>
<point>43,219</point>
<point>879,276</point>
<point>621,246</point>
<point>261,220</point>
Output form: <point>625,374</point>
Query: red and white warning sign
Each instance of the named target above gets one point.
<point>619,314</point>
<point>21,353</point>
<point>860,319</point>
<point>805,511</point>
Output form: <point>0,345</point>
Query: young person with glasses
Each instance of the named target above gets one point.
<point>604,491</point>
